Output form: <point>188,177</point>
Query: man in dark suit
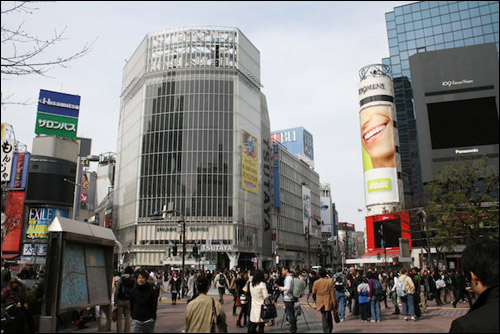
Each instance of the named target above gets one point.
<point>480,261</point>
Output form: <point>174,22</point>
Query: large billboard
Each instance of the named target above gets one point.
<point>14,221</point>
<point>306,207</point>
<point>39,220</point>
<point>377,119</point>
<point>249,163</point>
<point>297,141</point>
<point>384,231</point>
<point>57,114</point>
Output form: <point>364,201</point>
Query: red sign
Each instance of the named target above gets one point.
<point>384,231</point>
<point>14,221</point>
<point>83,197</point>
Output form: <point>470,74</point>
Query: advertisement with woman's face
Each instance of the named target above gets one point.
<point>379,154</point>
<point>377,136</point>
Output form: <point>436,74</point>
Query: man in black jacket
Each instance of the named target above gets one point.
<point>480,261</point>
<point>143,304</point>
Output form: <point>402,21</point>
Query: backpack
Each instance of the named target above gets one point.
<point>378,290</point>
<point>339,283</point>
<point>127,283</point>
<point>400,288</point>
<point>298,288</point>
<point>222,280</point>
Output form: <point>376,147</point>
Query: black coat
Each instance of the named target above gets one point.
<point>482,317</point>
<point>143,302</point>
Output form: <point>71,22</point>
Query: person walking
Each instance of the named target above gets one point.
<point>175,285</point>
<point>143,305</point>
<point>200,311</point>
<point>437,278</point>
<point>15,305</point>
<point>288,299</point>
<point>460,289</point>
<point>326,301</point>
<point>221,282</point>
<point>122,300</point>
<point>480,263</point>
<point>363,292</point>
<point>406,290</point>
<point>424,290</point>
<point>341,286</point>
<point>258,292</point>
<point>415,277</point>
<point>242,293</point>
<point>376,291</point>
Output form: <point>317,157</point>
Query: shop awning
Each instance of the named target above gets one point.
<point>10,256</point>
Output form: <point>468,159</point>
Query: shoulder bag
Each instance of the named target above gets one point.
<point>268,310</point>
<point>217,325</point>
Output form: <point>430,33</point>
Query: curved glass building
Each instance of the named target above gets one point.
<point>194,137</point>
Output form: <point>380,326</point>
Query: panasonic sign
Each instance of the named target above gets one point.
<point>472,150</point>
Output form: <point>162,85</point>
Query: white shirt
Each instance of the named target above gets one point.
<point>287,287</point>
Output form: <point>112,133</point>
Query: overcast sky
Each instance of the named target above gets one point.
<point>310,54</point>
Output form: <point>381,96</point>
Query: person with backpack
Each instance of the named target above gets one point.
<point>415,277</point>
<point>221,282</point>
<point>288,298</point>
<point>341,285</point>
<point>376,292</point>
<point>405,290</point>
<point>122,300</point>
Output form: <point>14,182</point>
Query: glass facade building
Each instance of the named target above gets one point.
<point>190,95</point>
<point>421,27</point>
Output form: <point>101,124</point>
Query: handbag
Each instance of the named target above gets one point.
<point>268,310</point>
<point>336,316</point>
<point>217,325</point>
<point>440,284</point>
<point>238,301</point>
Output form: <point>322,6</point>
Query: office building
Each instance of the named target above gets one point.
<point>423,27</point>
<point>193,137</point>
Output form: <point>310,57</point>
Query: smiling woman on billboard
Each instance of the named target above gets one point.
<point>377,136</point>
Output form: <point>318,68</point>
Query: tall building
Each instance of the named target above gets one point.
<point>422,27</point>
<point>194,137</point>
<point>297,213</point>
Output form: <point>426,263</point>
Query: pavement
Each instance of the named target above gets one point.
<point>170,319</point>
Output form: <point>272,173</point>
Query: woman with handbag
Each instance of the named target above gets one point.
<point>241,283</point>
<point>258,292</point>
<point>326,302</point>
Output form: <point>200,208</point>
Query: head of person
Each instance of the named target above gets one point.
<point>480,264</point>
<point>322,273</point>
<point>142,278</point>
<point>258,277</point>
<point>352,270</point>
<point>284,271</point>
<point>377,135</point>
<point>403,271</point>
<point>129,270</point>
<point>14,284</point>
<point>202,284</point>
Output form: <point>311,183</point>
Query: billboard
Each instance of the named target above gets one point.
<point>39,220</point>
<point>384,231</point>
<point>377,119</point>
<point>249,163</point>
<point>14,218</point>
<point>306,207</point>
<point>326,215</point>
<point>57,114</point>
<point>297,141</point>
<point>19,170</point>
<point>7,157</point>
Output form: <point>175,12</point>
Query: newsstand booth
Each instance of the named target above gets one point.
<point>79,272</point>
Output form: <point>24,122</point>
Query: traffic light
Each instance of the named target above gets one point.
<point>174,250</point>
<point>195,251</point>
<point>318,252</point>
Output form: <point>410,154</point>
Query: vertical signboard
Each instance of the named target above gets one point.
<point>57,114</point>
<point>249,163</point>
<point>276,174</point>
<point>14,217</point>
<point>7,157</point>
<point>377,115</point>
<point>326,215</point>
<point>306,207</point>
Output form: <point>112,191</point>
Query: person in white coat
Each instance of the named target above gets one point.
<point>258,291</point>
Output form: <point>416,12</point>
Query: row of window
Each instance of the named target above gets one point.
<point>188,141</point>
<point>188,120</point>
<point>425,9</point>
<point>190,207</point>
<point>193,86</point>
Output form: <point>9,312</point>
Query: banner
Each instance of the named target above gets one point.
<point>306,207</point>
<point>39,220</point>
<point>7,157</point>
<point>249,163</point>
<point>14,221</point>
<point>57,114</point>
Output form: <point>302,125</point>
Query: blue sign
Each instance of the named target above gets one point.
<point>297,141</point>
<point>58,103</point>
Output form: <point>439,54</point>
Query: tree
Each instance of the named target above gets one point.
<point>462,203</point>
<point>23,52</point>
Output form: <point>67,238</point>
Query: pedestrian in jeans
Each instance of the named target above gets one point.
<point>326,301</point>
<point>374,295</point>
<point>143,304</point>
<point>407,302</point>
<point>122,300</point>
<point>393,283</point>
<point>340,288</point>
<point>289,299</point>
<point>364,298</point>
<point>221,283</point>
